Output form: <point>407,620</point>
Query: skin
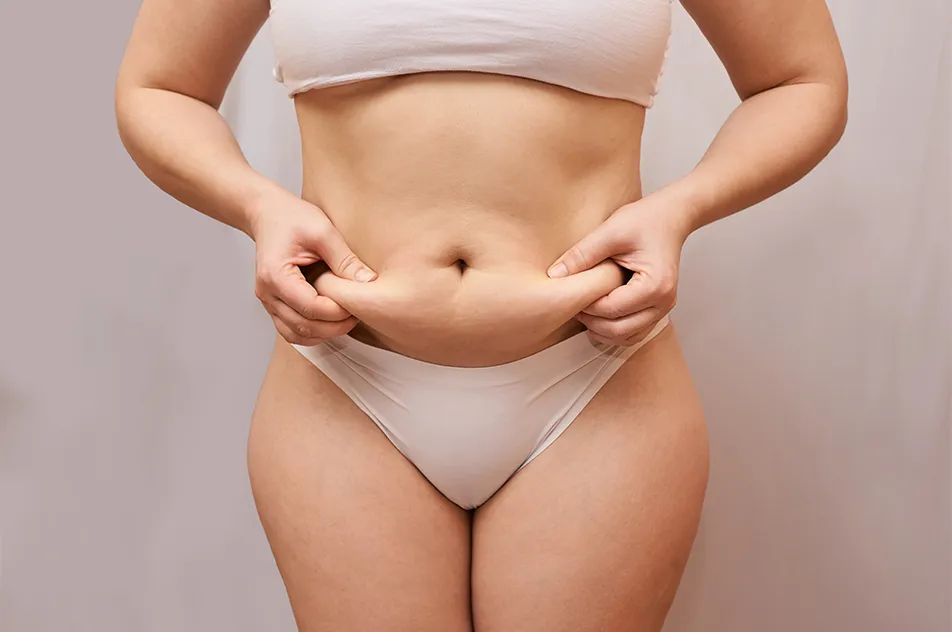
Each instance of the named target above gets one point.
<point>453,257</point>
<point>364,542</point>
<point>786,64</point>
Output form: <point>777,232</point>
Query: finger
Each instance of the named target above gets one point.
<point>326,331</point>
<point>288,334</point>
<point>612,342</point>
<point>641,335</point>
<point>600,244</point>
<point>294,290</point>
<point>366,301</point>
<point>624,300</point>
<point>578,291</point>
<point>334,250</point>
<point>627,330</point>
<point>305,328</point>
<point>600,339</point>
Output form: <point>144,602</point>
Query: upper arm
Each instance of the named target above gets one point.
<point>192,47</point>
<point>768,43</point>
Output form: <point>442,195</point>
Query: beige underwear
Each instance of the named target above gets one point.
<point>469,429</point>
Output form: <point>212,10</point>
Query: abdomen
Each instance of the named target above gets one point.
<point>460,189</point>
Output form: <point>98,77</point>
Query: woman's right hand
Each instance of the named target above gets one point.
<point>289,234</point>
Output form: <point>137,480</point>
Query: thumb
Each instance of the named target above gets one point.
<point>598,245</point>
<point>340,258</point>
<point>363,300</point>
<point>580,290</point>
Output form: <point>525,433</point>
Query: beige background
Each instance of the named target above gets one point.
<point>131,349</point>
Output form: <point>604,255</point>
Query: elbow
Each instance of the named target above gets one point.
<point>131,109</point>
<point>833,115</point>
<point>831,108</point>
<point>123,109</point>
<point>839,108</point>
<point>840,119</point>
<point>130,117</point>
<point>838,83</point>
<point>826,95</point>
<point>124,112</point>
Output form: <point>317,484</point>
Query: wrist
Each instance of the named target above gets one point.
<point>681,208</point>
<point>701,198</point>
<point>258,204</point>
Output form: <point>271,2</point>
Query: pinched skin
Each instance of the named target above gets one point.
<point>468,317</point>
<point>460,190</point>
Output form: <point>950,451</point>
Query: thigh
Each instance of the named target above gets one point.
<point>361,538</point>
<point>594,533</point>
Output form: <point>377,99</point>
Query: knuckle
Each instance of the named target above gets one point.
<point>349,261</point>
<point>309,312</point>
<point>332,330</point>
<point>576,253</point>
<point>664,286</point>
<point>607,328</point>
<point>295,338</point>
<point>264,277</point>
<point>609,309</point>
<point>668,282</point>
<point>616,330</point>
<point>615,311</point>
<point>319,232</point>
<point>283,330</point>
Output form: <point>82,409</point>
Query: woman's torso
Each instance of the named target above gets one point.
<point>460,189</point>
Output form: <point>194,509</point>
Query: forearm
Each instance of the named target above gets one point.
<point>770,141</point>
<point>186,148</point>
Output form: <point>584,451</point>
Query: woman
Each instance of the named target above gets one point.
<point>476,415</point>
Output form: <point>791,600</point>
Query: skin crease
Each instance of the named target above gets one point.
<point>409,312</point>
<point>449,256</point>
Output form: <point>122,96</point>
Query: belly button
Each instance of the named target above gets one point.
<point>461,265</point>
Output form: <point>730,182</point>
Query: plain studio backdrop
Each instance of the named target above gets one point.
<point>817,326</point>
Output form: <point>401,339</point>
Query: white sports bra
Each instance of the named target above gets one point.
<point>608,48</point>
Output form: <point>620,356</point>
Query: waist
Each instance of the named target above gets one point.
<point>468,316</point>
<point>460,190</point>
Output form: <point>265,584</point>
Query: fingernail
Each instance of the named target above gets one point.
<point>363,275</point>
<point>558,270</point>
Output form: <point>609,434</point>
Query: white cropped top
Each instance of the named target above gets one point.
<point>608,48</point>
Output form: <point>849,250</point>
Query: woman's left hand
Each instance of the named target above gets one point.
<point>646,238</point>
